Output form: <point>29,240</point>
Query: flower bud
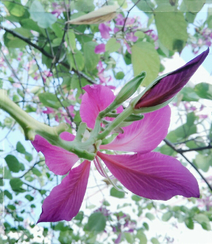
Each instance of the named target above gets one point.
<point>162,90</point>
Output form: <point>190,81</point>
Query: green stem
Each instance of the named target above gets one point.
<point>121,117</point>
<point>32,127</point>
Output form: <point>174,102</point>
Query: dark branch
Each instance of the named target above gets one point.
<point>31,168</point>
<point>27,40</point>
<point>194,149</point>
<point>181,153</point>
<point>128,12</point>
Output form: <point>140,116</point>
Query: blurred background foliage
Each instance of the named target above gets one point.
<point>45,62</point>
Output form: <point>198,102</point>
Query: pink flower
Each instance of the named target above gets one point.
<point>104,30</point>
<point>103,79</point>
<point>120,19</point>
<point>131,37</point>
<point>100,48</point>
<point>47,73</point>
<point>145,173</point>
<point>48,110</point>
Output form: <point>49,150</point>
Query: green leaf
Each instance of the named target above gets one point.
<point>203,220</point>
<point>166,150</point>
<point>11,207</point>
<point>139,34</point>
<point>116,193</point>
<point>191,118</point>
<point>112,45</point>
<point>136,198</point>
<point>204,90</point>
<point>145,6</point>
<point>15,9</point>
<point>65,237</point>
<point>142,237</point>
<point>182,132</point>
<point>49,99</point>
<point>194,6</point>
<point>39,15</point>
<point>84,5</point>
<point>56,42</point>
<point>167,216</point>
<point>150,216</point>
<point>129,237</point>
<point>6,173</point>
<point>171,33</point>
<point>119,75</point>
<point>20,148</point>
<point>209,18</point>
<point>70,40</point>
<point>58,30</point>
<point>30,25</point>
<point>127,58</point>
<point>24,32</point>
<point>96,222</point>
<point>8,194</point>
<point>61,226</point>
<point>16,185</point>
<point>28,156</point>
<point>78,58</point>
<point>189,223</point>
<point>203,162</point>
<point>12,163</point>
<point>75,84</point>
<point>29,197</point>
<point>190,17</point>
<point>11,41</point>
<point>154,240</point>
<point>1,196</point>
<point>91,58</point>
<point>146,226</point>
<point>189,94</point>
<point>35,171</point>
<point>150,64</point>
<point>79,216</point>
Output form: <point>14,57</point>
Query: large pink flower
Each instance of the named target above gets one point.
<point>145,173</point>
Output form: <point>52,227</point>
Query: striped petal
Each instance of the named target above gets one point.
<point>144,135</point>
<point>57,159</point>
<point>152,175</point>
<point>65,200</point>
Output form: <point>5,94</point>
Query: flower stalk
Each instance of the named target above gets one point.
<point>31,127</point>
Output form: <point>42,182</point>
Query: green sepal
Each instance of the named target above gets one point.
<point>153,108</point>
<point>129,89</point>
<point>109,139</point>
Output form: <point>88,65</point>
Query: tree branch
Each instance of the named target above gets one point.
<point>181,153</point>
<point>128,12</point>
<point>27,40</point>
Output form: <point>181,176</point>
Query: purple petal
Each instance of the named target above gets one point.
<point>104,30</point>
<point>144,135</point>
<point>131,37</point>
<point>96,99</point>
<point>65,200</point>
<point>170,85</point>
<point>57,159</point>
<point>152,175</point>
<point>100,48</point>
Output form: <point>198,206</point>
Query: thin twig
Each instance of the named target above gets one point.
<point>31,168</point>
<point>128,12</point>
<point>177,150</point>
<point>27,40</point>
